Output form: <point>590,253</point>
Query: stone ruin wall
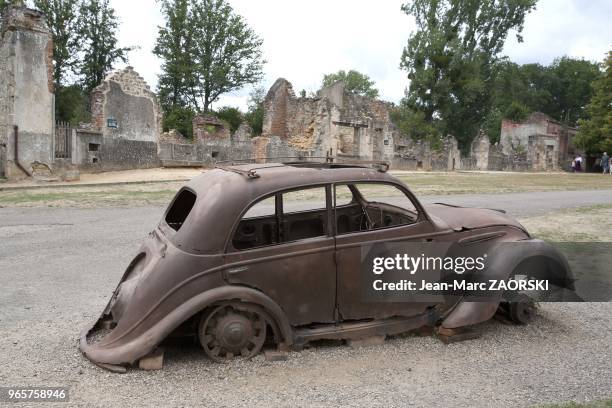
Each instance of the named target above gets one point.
<point>127,116</point>
<point>26,92</point>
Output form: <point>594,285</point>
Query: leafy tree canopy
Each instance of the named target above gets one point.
<point>354,81</point>
<point>98,37</point>
<point>232,116</point>
<point>450,59</point>
<point>561,90</point>
<point>595,132</point>
<point>63,20</point>
<point>206,50</point>
<point>255,113</point>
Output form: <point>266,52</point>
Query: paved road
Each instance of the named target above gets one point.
<point>58,267</point>
<point>527,204</point>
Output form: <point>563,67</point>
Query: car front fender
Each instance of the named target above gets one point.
<point>533,257</point>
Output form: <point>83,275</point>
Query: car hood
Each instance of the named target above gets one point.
<point>461,218</point>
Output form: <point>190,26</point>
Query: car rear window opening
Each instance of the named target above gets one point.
<point>181,207</point>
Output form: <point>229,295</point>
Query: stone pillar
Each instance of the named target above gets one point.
<point>26,90</point>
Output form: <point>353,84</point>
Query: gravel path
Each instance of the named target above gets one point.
<point>58,267</point>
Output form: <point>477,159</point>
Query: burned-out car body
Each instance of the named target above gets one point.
<point>272,252</point>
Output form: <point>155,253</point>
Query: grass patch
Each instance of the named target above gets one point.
<point>492,183</point>
<point>584,224</point>
<point>420,183</point>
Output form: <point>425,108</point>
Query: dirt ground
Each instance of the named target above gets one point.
<point>157,186</point>
<point>62,251</point>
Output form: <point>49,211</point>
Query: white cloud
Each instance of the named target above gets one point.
<point>303,40</point>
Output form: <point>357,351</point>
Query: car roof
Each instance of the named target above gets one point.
<point>223,193</point>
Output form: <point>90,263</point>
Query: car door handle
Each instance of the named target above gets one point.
<point>234,271</point>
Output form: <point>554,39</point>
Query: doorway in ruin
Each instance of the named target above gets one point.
<point>549,157</point>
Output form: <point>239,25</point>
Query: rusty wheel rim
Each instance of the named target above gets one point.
<point>524,311</point>
<point>230,332</point>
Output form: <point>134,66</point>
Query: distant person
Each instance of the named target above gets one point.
<point>574,166</point>
<point>578,165</point>
<point>605,163</point>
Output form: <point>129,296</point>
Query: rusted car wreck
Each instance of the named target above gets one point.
<point>270,253</point>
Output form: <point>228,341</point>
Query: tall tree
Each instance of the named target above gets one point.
<point>354,81</point>
<point>595,132</point>
<point>572,87</point>
<point>255,113</point>
<point>227,52</point>
<point>98,37</point>
<point>63,20</point>
<point>220,53</point>
<point>174,46</point>
<point>450,59</point>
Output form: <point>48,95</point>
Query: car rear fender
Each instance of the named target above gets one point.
<point>129,352</point>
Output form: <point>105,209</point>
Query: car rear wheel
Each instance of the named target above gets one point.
<point>232,331</point>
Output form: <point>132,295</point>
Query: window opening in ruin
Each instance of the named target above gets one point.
<point>419,164</point>
<point>180,209</point>
<point>215,154</point>
<point>94,147</point>
<point>94,160</point>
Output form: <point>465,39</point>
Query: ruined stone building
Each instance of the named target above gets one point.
<point>26,92</point>
<point>126,133</point>
<point>335,122</point>
<point>539,143</point>
<point>125,127</point>
<point>126,118</point>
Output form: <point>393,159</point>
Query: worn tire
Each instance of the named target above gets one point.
<point>523,310</point>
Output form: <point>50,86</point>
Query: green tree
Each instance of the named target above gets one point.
<point>71,104</point>
<point>255,113</point>
<point>450,59</point>
<point>561,90</point>
<point>179,118</point>
<point>572,88</point>
<point>98,37</point>
<point>206,50</point>
<point>227,52</point>
<point>63,20</point>
<point>354,81</point>
<point>174,46</point>
<point>232,116</point>
<point>413,124</point>
<point>595,132</point>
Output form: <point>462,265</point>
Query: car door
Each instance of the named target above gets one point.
<point>284,246</point>
<point>363,218</point>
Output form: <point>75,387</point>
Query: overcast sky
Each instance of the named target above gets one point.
<point>305,39</point>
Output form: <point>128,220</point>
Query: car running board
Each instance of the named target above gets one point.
<point>362,329</point>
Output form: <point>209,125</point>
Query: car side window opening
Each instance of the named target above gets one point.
<point>374,206</point>
<point>285,217</point>
<point>180,209</point>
